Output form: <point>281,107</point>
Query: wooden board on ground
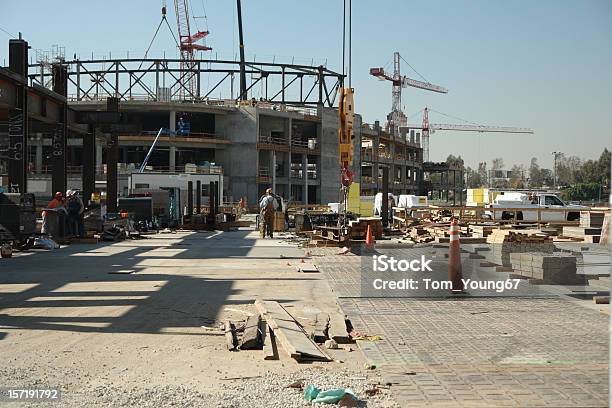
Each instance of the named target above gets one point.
<point>251,338</point>
<point>307,268</point>
<point>601,300</point>
<point>320,332</point>
<point>337,329</point>
<point>291,335</point>
<point>270,352</point>
<point>230,335</point>
<point>605,230</point>
<point>463,240</point>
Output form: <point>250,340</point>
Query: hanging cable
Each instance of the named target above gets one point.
<point>195,19</point>
<point>454,117</point>
<point>350,41</point>
<point>172,32</point>
<point>415,113</point>
<point>12,35</point>
<point>417,72</point>
<point>151,43</point>
<point>387,64</point>
<point>343,36</point>
<point>205,15</point>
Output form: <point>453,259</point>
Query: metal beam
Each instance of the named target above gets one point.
<point>18,120</point>
<point>60,132</point>
<point>89,164</point>
<point>145,76</point>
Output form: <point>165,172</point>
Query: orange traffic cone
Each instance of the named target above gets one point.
<point>455,273</point>
<point>369,238</point>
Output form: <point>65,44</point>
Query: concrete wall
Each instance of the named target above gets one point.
<point>329,166</point>
<point>239,160</point>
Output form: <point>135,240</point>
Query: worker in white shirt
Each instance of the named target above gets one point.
<point>267,206</point>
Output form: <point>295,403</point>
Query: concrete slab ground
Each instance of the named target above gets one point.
<point>519,351</point>
<point>121,324</point>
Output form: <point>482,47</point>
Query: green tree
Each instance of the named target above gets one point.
<point>517,177</point>
<point>483,176</point>
<point>535,174</point>
<point>457,161</point>
<point>604,167</point>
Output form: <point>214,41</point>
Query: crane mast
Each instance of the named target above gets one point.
<point>188,48</point>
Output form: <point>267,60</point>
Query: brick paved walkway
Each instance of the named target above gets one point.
<point>518,352</point>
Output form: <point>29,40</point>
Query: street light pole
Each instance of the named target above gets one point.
<point>556,155</point>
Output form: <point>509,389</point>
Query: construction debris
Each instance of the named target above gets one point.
<point>251,338</point>
<point>321,328</point>
<point>316,396</point>
<point>291,335</point>
<point>331,344</point>
<point>231,339</point>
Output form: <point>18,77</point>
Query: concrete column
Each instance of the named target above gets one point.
<point>273,171</point>
<point>39,153</point>
<point>289,133</point>
<point>98,156</point>
<point>305,173</point>
<point>88,174</point>
<point>172,157</point>
<point>111,173</point>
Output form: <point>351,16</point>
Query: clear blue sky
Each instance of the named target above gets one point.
<point>542,64</point>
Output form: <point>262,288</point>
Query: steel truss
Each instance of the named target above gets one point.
<point>163,80</point>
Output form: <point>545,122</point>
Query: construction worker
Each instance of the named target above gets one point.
<point>267,206</point>
<point>75,208</point>
<point>57,204</point>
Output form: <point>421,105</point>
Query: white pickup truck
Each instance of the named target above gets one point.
<point>506,205</point>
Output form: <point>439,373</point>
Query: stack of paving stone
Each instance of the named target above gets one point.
<point>505,242</point>
<point>481,230</point>
<point>585,234</point>
<point>559,268</point>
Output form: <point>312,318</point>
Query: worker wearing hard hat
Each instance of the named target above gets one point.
<point>57,203</point>
<point>267,207</point>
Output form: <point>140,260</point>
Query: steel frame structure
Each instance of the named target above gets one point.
<point>133,79</point>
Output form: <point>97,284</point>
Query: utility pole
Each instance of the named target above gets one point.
<point>556,155</point>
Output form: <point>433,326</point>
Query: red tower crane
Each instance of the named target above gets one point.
<point>188,48</point>
<point>397,118</point>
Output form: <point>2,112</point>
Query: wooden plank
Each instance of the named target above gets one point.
<point>308,268</point>
<point>337,329</point>
<point>230,335</point>
<point>295,341</point>
<point>270,352</point>
<point>321,328</point>
<point>601,300</point>
<point>251,338</point>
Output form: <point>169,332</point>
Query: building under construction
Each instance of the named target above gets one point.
<point>90,124</point>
